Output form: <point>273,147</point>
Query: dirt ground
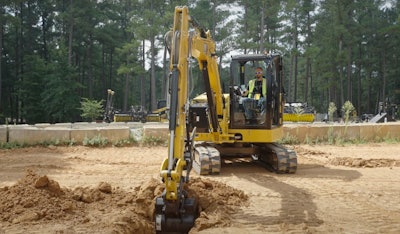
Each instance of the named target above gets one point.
<point>337,189</point>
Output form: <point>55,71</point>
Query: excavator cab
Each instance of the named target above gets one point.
<point>253,111</point>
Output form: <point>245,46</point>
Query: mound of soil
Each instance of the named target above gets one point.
<point>39,199</point>
<point>217,202</point>
<point>360,162</point>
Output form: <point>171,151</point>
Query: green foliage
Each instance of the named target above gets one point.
<point>59,97</point>
<point>331,110</point>
<point>334,51</point>
<point>31,89</point>
<point>91,109</point>
<point>288,139</point>
<point>12,145</point>
<point>391,140</point>
<point>125,142</point>
<point>98,141</point>
<point>315,141</point>
<point>16,145</point>
<point>347,109</point>
<point>153,141</point>
<point>331,136</point>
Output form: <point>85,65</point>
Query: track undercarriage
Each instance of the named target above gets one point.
<point>272,156</point>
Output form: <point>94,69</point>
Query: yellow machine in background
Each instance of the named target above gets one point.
<point>135,113</point>
<point>298,112</point>
<point>160,114</point>
<point>214,125</point>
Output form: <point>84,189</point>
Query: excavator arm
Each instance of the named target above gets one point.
<point>203,49</point>
<point>175,212</point>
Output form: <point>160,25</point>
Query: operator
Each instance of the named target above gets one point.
<point>256,94</point>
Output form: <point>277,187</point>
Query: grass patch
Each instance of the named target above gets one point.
<point>288,140</point>
<point>17,145</point>
<point>125,142</point>
<point>12,145</point>
<point>153,141</point>
<point>316,141</point>
<point>98,141</point>
<point>56,143</point>
<point>387,139</point>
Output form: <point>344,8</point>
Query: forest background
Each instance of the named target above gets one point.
<point>54,53</point>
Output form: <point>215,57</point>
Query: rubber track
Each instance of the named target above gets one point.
<point>207,160</point>
<point>279,159</point>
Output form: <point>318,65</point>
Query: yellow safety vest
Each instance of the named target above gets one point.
<point>264,87</point>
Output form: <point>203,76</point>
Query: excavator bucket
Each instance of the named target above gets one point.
<point>175,217</point>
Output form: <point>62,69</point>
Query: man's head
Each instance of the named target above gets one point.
<point>259,73</point>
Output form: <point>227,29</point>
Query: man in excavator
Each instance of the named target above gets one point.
<point>255,96</point>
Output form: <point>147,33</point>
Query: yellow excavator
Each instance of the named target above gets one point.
<point>214,125</point>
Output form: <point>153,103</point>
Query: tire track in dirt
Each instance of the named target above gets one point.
<point>316,198</point>
<point>368,215</point>
<point>342,207</point>
<point>371,208</point>
<point>275,206</point>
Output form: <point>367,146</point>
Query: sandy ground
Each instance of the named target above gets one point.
<point>337,189</point>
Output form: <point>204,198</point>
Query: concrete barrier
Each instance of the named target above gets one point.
<point>156,130</point>
<point>381,131</point>
<point>32,135</point>
<point>114,132</point>
<point>305,133</point>
<point>79,135</point>
<point>3,134</point>
<point>317,133</point>
<point>351,132</point>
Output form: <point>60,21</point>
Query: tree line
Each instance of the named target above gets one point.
<point>54,53</point>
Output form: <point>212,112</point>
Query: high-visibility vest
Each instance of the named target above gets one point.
<point>264,87</point>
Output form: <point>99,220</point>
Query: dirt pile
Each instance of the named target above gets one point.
<point>33,198</point>
<point>307,155</point>
<point>217,202</point>
<point>368,163</point>
<point>37,199</point>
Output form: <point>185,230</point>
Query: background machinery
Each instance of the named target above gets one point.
<point>387,112</point>
<point>109,110</point>
<point>214,124</point>
<point>136,113</point>
<point>298,112</point>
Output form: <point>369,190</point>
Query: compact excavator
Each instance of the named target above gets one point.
<point>213,125</point>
